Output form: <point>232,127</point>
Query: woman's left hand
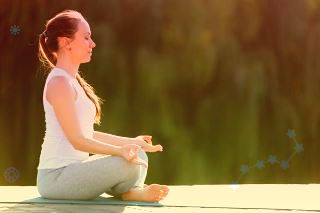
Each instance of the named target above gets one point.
<point>145,141</point>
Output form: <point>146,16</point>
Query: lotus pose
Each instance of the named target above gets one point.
<point>118,165</point>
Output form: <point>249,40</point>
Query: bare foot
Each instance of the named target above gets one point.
<point>149,193</point>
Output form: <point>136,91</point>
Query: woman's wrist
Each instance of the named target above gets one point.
<point>132,141</point>
<point>117,150</point>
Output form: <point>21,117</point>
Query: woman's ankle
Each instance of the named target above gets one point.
<point>128,194</point>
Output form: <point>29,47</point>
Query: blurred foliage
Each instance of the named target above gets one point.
<point>217,83</point>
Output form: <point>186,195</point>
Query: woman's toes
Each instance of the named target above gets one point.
<point>162,194</point>
<point>158,191</point>
<point>165,189</point>
<point>159,198</point>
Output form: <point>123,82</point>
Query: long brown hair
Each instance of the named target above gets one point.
<point>64,24</point>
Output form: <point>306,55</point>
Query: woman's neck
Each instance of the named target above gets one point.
<point>66,65</point>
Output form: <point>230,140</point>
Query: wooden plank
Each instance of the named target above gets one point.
<point>127,209</point>
<point>202,198</point>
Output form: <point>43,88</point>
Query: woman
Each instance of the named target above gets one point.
<point>119,164</point>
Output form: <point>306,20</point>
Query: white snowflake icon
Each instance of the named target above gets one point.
<point>272,159</point>
<point>260,164</point>
<point>15,30</point>
<point>298,147</point>
<point>234,185</point>
<point>284,164</point>
<point>11,174</point>
<point>291,133</point>
<point>244,169</point>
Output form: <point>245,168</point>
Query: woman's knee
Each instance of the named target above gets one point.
<point>129,170</point>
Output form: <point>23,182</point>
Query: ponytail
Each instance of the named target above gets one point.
<point>89,90</point>
<point>45,55</point>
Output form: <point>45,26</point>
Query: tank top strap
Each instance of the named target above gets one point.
<point>60,72</point>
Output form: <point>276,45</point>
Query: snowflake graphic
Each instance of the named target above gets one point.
<point>272,159</point>
<point>244,169</point>
<point>260,164</point>
<point>11,174</point>
<point>14,30</point>
<point>298,147</point>
<point>234,185</point>
<point>291,133</point>
<point>284,164</point>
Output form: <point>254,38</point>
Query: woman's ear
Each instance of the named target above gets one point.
<point>63,42</point>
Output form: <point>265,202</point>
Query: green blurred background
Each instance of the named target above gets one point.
<point>217,83</point>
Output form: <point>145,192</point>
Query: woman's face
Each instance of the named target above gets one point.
<point>82,44</point>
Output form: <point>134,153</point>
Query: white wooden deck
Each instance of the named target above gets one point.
<point>197,198</point>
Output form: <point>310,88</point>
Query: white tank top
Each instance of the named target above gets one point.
<point>56,150</point>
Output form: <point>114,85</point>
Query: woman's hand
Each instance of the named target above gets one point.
<point>130,153</point>
<point>145,141</point>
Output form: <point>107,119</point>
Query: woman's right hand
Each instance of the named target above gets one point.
<point>145,141</point>
<point>130,153</point>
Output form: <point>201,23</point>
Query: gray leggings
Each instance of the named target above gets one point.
<point>88,179</point>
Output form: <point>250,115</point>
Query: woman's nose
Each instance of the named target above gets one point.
<point>93,44</point>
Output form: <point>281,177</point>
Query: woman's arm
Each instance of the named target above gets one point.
<point>144,141</point>
<point>114,139</point>
<point>61,96</point>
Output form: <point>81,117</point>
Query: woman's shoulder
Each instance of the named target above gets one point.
<point>59,89</point>
<point>57,78</point>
